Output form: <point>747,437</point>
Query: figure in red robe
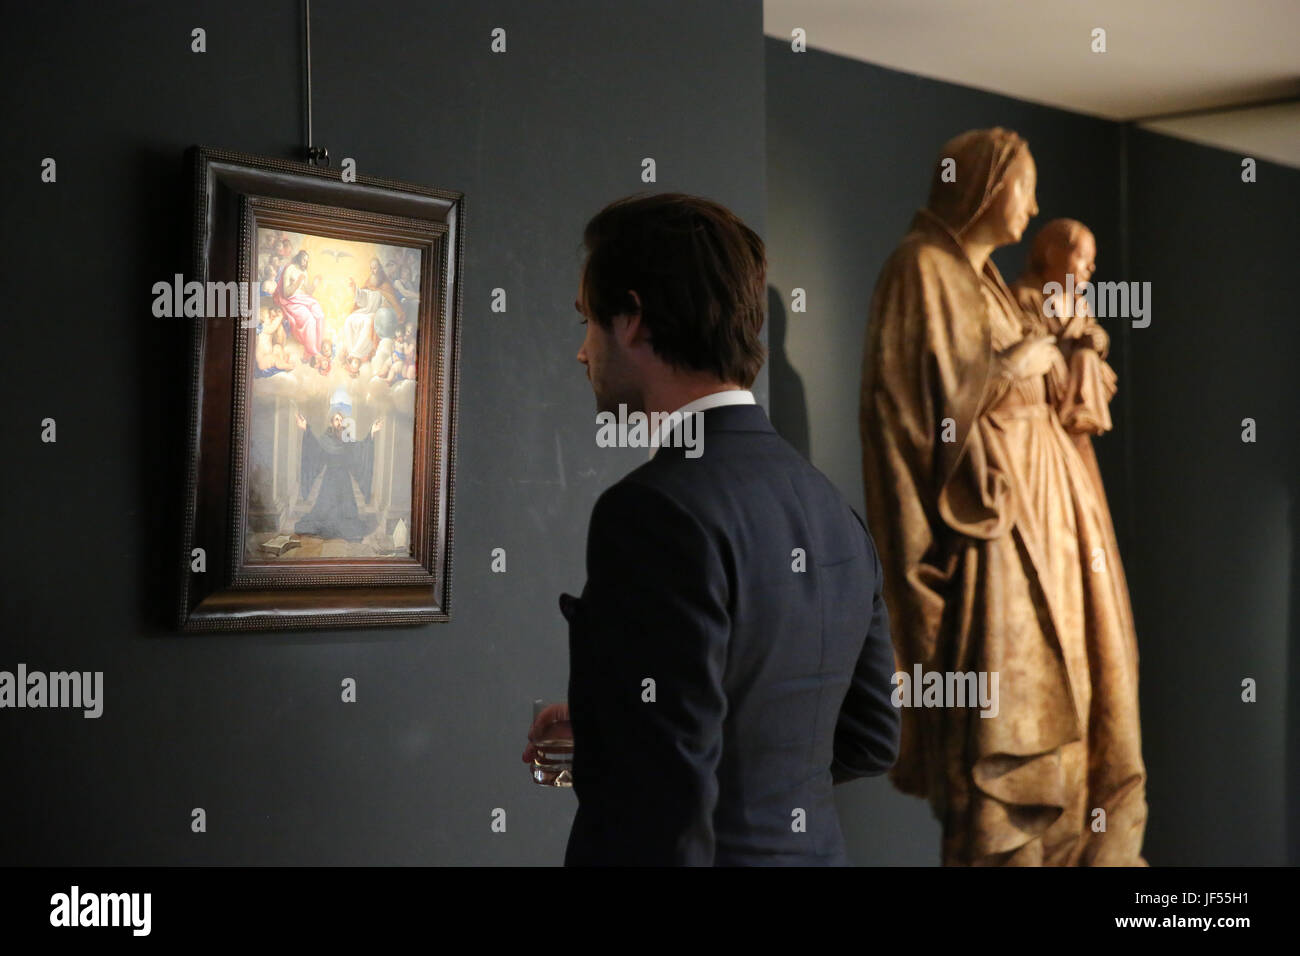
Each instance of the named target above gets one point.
<point>302,313</point>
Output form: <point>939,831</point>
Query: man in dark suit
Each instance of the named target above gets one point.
<point>730,656</point>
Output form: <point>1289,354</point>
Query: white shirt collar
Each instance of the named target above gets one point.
<point>730,396</point>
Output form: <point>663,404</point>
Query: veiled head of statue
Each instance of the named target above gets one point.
<point>983,186</point>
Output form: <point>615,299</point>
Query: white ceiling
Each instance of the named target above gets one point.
<point>1163,56</point>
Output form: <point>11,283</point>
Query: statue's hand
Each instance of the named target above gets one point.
<point>377,426</point>
<point>1098,339</point>
<point>302,422</point>
<point>1076,327</point>
<point>1030,358</point>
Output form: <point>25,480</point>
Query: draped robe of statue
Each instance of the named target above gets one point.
<point>1083,387</point>
<point>335,513</point>
<point>990,545</point>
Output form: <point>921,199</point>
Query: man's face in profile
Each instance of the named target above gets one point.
<point>605,362</point>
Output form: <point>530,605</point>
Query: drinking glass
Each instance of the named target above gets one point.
<point>553,765</point>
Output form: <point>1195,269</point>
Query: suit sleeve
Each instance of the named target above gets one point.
<point>867,732</point>
<point>654,610</point>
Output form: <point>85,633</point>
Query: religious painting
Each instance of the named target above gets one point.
<point>334,370</point>
<point>323,439</point>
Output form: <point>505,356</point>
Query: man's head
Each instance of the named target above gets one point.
<point>673,289</point>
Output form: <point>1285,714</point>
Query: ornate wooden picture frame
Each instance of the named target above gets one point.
<point>322,436</point>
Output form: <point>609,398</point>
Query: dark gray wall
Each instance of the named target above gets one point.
<point>1206,524</point>
<point>250,727</point>
<point>1214,573</point>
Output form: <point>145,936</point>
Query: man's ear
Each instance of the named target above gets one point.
<point>627,325</point>
<point>635,332</point>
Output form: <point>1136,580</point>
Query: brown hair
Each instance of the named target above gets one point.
<point>699,271</point>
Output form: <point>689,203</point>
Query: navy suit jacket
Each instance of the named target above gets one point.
<point>719,682</point>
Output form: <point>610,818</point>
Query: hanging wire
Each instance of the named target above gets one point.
<point>306,39</point>
<point>317,155</point>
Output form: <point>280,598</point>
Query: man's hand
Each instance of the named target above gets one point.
<point>551,723</point>
<point>377,426</point>
<point>302,422</point>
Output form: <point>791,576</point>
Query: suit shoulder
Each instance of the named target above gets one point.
<point>641,490</point>
<point>699,487</point>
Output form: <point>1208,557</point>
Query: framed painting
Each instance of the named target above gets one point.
<point>323,404</point>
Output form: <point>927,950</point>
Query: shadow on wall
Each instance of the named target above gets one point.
<point>789,406</point>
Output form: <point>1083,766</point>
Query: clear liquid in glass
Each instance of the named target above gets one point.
<point>553,765</point>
